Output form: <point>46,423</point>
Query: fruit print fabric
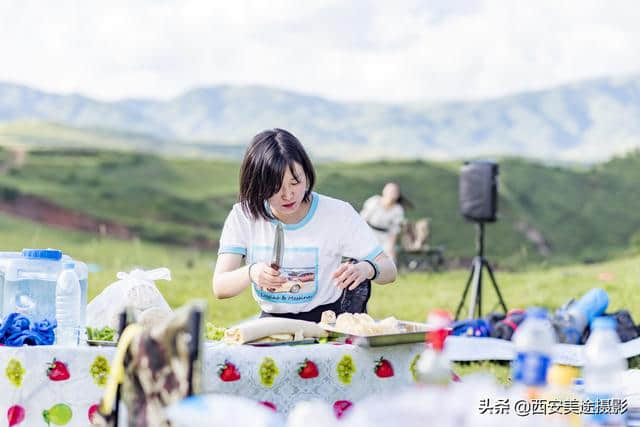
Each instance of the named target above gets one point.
<point>100,370</point>
<point>268,372</point>
<point>15,372</point>
<point>304,373</point>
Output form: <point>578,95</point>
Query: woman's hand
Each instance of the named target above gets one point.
<point>351,275</point>
<point>266,277</point>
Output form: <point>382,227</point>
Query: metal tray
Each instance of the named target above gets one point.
<point>413,332</point>
<point>279,343</point>
<point>98,343</point>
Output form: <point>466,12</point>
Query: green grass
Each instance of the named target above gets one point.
<point>584,215</point>
<point>410,298</point>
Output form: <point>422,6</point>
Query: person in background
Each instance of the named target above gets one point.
<point>276,186</point>
<point>385,215</point>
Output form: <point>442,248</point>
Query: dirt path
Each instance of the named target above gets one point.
<point>43,211</point>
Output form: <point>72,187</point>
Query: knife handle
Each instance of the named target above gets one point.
<point>275,266</point>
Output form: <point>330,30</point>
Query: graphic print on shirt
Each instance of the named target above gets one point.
<point>299,267</point>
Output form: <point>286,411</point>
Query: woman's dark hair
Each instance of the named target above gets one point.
<point>267,158</point>
<point>402,199</point>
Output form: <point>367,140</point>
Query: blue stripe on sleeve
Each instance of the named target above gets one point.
<point>374,253</point>
<point>232,250</point>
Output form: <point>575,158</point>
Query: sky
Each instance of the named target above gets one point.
<point>384,51</point>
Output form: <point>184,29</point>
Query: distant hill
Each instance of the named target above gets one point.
<point>585,122</point>
<point>547,214</point>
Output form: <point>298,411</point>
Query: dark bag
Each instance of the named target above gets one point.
<point>624,326</point>
<point>355,301</point>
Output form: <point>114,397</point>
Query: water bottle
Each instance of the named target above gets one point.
<point>533,341</point>
<point>560,380</point>
<point>603,369</point>
<point>571,322</point>
<point>433,367</point>
<point>67,306</point>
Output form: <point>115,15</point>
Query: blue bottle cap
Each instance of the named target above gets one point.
<point>603,322</point>
<point>49,254</point>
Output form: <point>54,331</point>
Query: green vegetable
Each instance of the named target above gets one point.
<point>214,332</point>
<point>104,334</point>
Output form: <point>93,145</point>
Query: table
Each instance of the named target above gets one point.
<point>226,369</point>
<point>236,370</point>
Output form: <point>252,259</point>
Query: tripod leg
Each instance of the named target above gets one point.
<point>495,285</point>
<point>477,286</point>
<point>466,290</point>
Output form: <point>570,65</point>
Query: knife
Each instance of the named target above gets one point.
<point>278,248</point>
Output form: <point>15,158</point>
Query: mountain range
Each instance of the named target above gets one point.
<point>587,121</point>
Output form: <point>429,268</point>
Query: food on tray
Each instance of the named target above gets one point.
<point>101,334</point>
<point>328,317</point>
<point>214,333</point>
<point>272,326</point>
<point>361,324</point>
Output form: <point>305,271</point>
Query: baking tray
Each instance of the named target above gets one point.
<point>98,343</point>
<point>279,343</point>
<point>412,332</point>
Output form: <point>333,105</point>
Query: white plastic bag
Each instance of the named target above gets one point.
<point>135,289</point>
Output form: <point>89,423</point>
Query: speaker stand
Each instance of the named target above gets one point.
<point>474,281</point>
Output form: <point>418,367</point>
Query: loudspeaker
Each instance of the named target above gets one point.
<point>479,191</point>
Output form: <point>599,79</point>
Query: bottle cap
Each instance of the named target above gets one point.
<point>49,254</point>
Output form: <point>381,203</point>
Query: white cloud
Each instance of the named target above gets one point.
<point>361,50</point>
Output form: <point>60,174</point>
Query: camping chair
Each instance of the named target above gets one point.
<point>153,368</point>
<point>414,251</point>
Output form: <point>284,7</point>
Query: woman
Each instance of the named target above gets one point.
<point>385,215</point>
<point>276,186</point>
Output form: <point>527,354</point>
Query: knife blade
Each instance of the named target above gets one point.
<point>278,248</point>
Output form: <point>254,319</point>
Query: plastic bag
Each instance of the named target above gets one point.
<point>135,289</point>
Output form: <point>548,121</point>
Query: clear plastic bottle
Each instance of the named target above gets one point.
<point>67,306</point>
<point>604,365</point>
<point>560,379</point>
<point>533,342</point>
<point>433,367</point>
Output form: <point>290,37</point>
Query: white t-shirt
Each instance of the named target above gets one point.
<point>313,250</point>
<point>378,216</point>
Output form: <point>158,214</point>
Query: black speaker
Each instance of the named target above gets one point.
<point>479,191</point>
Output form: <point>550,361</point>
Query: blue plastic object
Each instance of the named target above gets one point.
<point>52,254</point>
<point>571,322</point>
<point>17,330</point>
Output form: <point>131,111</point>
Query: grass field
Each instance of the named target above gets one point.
<point>576,214</point>
<point>410,298</point>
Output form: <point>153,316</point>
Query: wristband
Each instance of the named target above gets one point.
<point>376,271</point>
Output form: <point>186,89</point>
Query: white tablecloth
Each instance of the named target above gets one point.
<point>37,392</point>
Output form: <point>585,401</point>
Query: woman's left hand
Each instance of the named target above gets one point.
<point>351,275</point>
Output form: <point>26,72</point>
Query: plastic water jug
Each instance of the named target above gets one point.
<point>5,257</point>
<point>30,284</point>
